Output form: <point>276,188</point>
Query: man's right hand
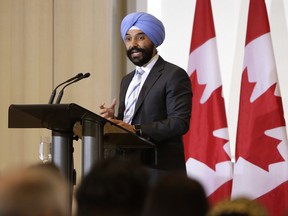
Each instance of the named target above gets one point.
<point>108,112</point>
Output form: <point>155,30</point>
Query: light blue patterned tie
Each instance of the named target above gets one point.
<point>132,96</point>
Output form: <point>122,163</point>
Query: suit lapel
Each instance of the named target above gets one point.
<point>150,81</point>
<point>126,83</point>
<point>130,77</point>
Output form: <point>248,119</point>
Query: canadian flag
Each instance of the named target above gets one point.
<point>207,148</point>
<point>261,169</point>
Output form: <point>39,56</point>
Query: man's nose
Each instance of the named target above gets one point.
<point>134,42</point>
<point>133,45</point>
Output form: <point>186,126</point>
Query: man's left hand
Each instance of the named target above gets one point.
<point>123,124</point>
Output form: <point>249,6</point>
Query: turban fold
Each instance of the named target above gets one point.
<point>147,23</point>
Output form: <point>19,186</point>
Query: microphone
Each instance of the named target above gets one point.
<point>54,91</point>
<point>62,90</point>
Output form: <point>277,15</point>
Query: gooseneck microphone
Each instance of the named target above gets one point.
<point>75,80</point>
<point>55,89</point>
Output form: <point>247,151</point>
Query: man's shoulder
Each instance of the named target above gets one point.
<point>129,74</point>
<point>168,64</point>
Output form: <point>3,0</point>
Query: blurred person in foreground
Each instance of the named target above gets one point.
<point>113,187</point>
<point>39,190</point>
<point>238,207</point>
<point>176,195</point>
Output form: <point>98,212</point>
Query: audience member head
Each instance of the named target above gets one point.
<point>175,194</point>
<point>114,186</point>
<point>238,207</point>
<point>35,191</point>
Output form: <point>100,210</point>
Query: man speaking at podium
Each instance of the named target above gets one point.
<point>156,98</point>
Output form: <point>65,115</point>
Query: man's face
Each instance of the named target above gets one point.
<point>140,48</point>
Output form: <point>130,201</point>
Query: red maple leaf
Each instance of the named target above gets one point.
<point>265,113</point>
<point>200,143</point>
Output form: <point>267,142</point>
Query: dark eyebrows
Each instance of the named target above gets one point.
<point>138,34</point>
<point>141,34</point>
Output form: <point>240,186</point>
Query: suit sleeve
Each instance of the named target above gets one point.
<point>178,99</point>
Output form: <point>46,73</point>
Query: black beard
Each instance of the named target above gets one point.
<point>147,54</point>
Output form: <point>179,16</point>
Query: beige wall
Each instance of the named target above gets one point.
<point>43,43</point>
<point>25,71</point>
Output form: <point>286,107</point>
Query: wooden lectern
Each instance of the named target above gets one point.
<point>60,119</point>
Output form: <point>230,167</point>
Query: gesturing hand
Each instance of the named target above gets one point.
<point>108,112</point>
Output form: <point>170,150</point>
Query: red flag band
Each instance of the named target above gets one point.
<point>207,148</point>
<point>261,144</point>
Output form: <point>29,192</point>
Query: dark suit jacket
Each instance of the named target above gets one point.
<point>163,110</point>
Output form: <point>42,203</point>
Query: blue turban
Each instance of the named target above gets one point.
<point>147,23</point>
